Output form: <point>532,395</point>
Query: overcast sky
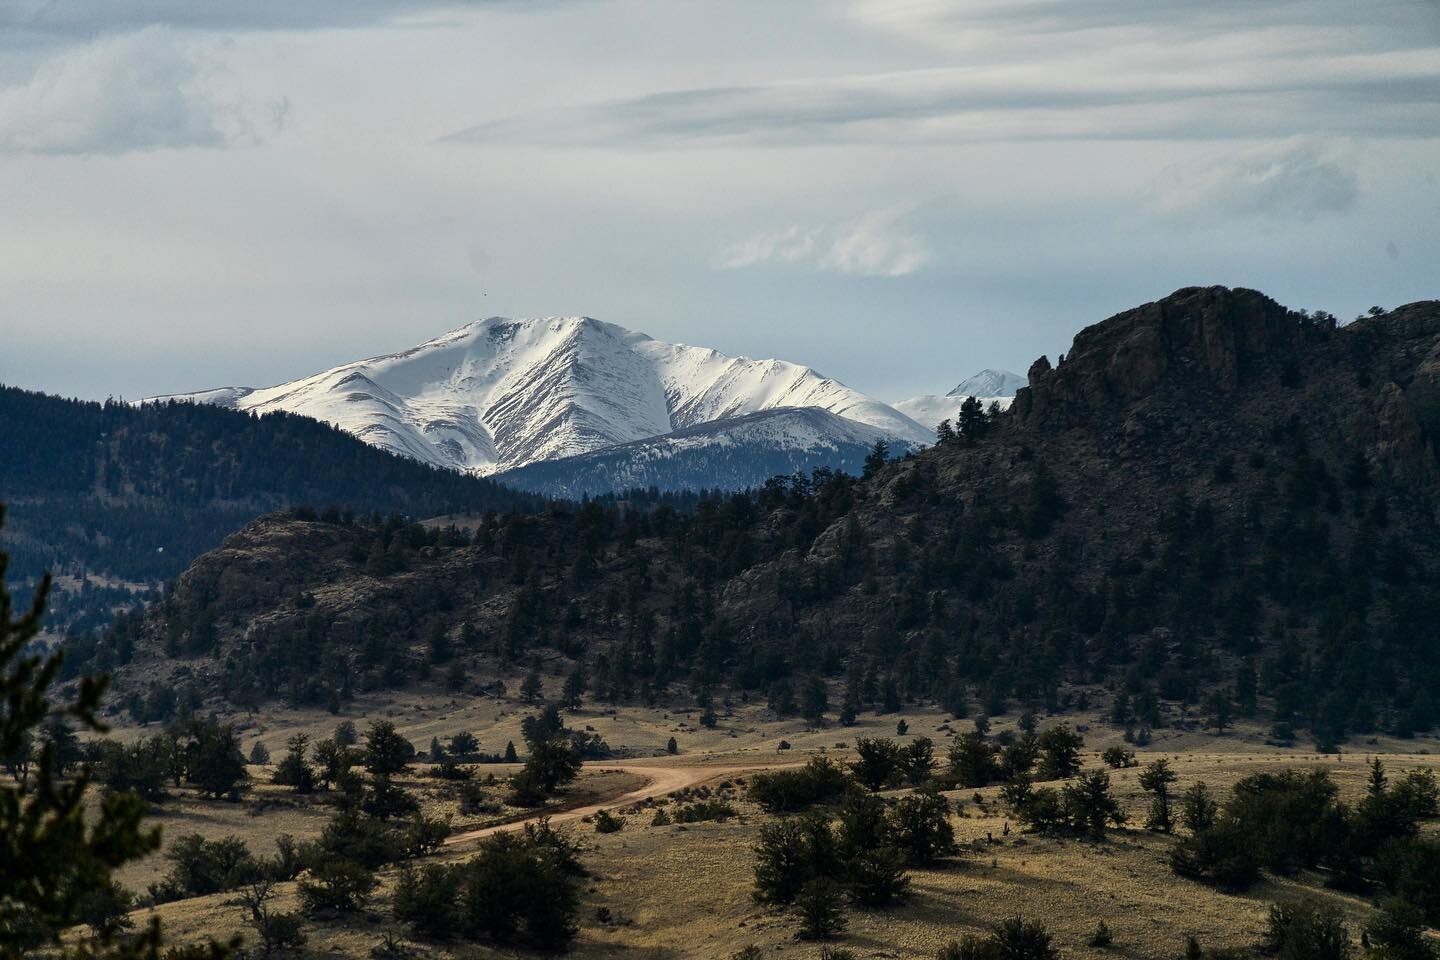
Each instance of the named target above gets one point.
<point>896,192</point>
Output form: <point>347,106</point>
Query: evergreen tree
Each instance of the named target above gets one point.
<point>1156,779</point>
<point>59,861</point>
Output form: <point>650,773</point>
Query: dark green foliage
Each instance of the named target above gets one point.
<point>1102,938</point>
<point>1198,809</point>
<point>1156,779</point>
<point>920,827</point>
<point>199,867</point>
<point>384,799</point>
<point>277,931</point>
<point>1012,939</point>
<point>386,752</point>
<point>821,780</point>
<point>293,770</point>
<point>1221,855</point>
<point>428,899</point>
<point>821,907</point>
<point>703,810</point>
<point>1398,933</point>
<point>917,760</point>
<point>1303,931</point>
<point>519,890</point>
<point>972,761</point>
<point>1119,758</point>
<point>877,762</point>
<point>1089,806</point>
<point>209,754</point>
<point>607,822</point>
<point>107,484</point>
<point>337,886</point>
<point>57,866</point>
<point>1060,752</point>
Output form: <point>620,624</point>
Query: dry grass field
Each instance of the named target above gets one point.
<point>685,891</point>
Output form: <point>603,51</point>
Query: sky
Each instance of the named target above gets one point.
<point>895,192</point>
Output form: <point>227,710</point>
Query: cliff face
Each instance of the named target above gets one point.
<point>1209,488</point>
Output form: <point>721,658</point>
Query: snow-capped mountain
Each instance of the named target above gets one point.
<point>499,394</point>
<point>988,386</point>
<point>734,453</point>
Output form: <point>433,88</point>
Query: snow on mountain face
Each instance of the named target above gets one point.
<point>988,383</point>
<point>988,386</point>
<point>733,454</point>
<point>499,393</point>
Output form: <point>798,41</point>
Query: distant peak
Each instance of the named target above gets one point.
<point>989,383</point>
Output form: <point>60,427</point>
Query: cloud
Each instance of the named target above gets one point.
<point>1298,180</point>
<point>86,19</point>
<point>1051,70</point>
<point>877,244</point>
<point>138,91</point>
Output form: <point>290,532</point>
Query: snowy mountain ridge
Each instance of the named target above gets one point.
<point>498,394</point>
<point>988,386</point>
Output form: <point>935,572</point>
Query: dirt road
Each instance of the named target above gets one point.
<point>659,782</point>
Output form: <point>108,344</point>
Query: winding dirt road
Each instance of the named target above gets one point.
<point>659,782</point>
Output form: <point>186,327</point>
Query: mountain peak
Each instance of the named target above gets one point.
<point>988,383</point>
<point>500,393</point>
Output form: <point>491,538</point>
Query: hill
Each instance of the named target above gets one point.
<point>1210,501</point>
<point>135,493</point>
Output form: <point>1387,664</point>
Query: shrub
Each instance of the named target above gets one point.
<point>200,867</point>
<point>1302,931</point>
<point>876,763</point>
<point>821,908</point>
<point>337,886</point>
<point>386,752</point>
<point>1102,938</point>
<point>516,890</point>
<point>607,822</point>
<point>1119,758</point>
<point>821,780</point>
<point>704,810</point>
<point>920,827</point>
<point>428,900</point>
<point>1221,855</point>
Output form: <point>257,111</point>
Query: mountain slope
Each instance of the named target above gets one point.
<point>136,493</point>
<point>734,453</point>
<point>1214,500</point>
<point>988,386</point>
<point>499,394</point>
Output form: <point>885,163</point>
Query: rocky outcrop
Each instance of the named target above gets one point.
<point>1224,338</point>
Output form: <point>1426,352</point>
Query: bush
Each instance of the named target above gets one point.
<point>821,780</point>
<point>1014,939</point>
<point>200,867</point>
<point>1102,938</point>
<point>1301,931</point>
<point>877,762</point>
<point>428,900</point>
<point>517,890</point>
<point>704,810</point>
<point>920,827</point>
<point>1119,758</point>
<point>337,886</point>
<point>607,822</point>
<point>1222,856</point>
<point>820,905</point>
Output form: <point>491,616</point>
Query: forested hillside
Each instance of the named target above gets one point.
<point>1210,500</point>
<point>137,492</point>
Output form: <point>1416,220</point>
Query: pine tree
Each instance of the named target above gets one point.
<point>1156,779</point>
<point>58,859</point>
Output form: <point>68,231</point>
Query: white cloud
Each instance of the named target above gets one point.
<point>877,244</point>
<point>1295,180</point>
<point>137,91</point>
<point>1017,70</point>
